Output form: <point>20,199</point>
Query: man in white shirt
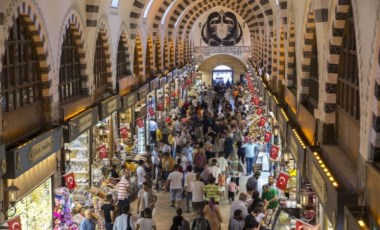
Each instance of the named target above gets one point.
<point>155,160</point>
<point>141,174</point>
<point>175,182</point>
<point>198,200</point>
<point>124,220</point>
<point>240,204</point>
<point>215,170</point>
<point>166,148</point>
<point>188,151</point>
<point>222,164</point>
<point>189,184</point>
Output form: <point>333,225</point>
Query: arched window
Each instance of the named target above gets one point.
<point>100,65</point>
<point>70,70</point>
<point>122,68</point>
<point>348,80</point>
<point>314,75</point>
<point>20,81</point>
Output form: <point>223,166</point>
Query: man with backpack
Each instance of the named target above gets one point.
<point>125,220</point>
<point>200,223</point>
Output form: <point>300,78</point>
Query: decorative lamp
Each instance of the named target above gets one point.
<point>276,130</point>
<point>11,191</point>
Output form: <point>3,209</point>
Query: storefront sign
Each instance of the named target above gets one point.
<point>109,106</point>
<point>129,100</point>
<point>143,91</point>
<point>40,149</point>
<point>79,124</point>
<point>29,154</point>
<point>319,184</point>
<point>3,161</point>
<point>162,82</point>
<point>154,84</point>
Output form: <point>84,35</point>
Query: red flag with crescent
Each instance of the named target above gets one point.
<point>70,181</point>
<point>274,152</point>
<point>255,100</point>
<point>174,93</point>
<point>259,111</point>
<point>282,180</point>
<point>267,136</point>
<point>151,111</point>
<point>160,107</point>
<point>140,123</point>
<point>15,223</point>
<point>262,122</point>
<point>299,225</point>
<point>124,132</point>
<point>103,151</point>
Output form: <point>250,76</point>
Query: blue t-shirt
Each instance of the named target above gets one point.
<point>250,149</point>
<point>87,224</point>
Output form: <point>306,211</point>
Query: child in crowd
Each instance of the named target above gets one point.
<point>222,184</point>
<point>232,188</point>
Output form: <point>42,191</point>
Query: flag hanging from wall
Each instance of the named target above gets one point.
<point>282,180</point>
<point>14,223</point>
<point>70,180</point>
<point>140,122</point>
<point>124,132</point>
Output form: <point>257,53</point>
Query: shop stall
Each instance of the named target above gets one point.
<point>77,148</point>
<point>161,98</point>
<point>151,103</point>
<point>168,93</point>
<point>30,167</point>
<point>104,134</point>
<point>141,116</point>
<point>126,125</point>
<point>332,195</point>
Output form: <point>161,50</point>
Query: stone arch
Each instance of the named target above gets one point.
<point>149,61</point>
<point>103,30</point>
<point>30,13</point>
<point>74,22</point>
<point>274,63</point>
<point>171,53</point>
<point>166,57</point>
<point>123,36</point>
<point>138,63</point>
<point>291,57</point>
<point>158,55</point>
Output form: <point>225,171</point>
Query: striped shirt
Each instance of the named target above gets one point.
<point>123,189</point>
<point>212,190</point>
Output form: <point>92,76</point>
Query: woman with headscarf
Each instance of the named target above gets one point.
<point>212,214</point>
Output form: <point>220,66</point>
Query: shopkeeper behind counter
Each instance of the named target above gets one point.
<point>269,197</point>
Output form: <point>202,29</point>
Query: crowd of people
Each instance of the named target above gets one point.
<point>198,153</point>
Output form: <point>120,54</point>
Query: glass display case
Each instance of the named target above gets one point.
<point>140,139</point>
<point>36,208</point>
<point>282,218</point>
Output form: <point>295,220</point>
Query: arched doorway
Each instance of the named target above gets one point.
<point>222,74</point>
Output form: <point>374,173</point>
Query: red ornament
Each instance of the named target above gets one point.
<point>103,151</point>
<point>140,123</point>
<point>259,111</point>
<point>174,93</point>
<point>267,136</point>
<point>14,224</point>
<point>262,122</point>
<point>124,132</point>
<point>168,120</point>
<point>151,111</point>
<point>70,180</point>
<point>274,152</point>
<point>282,180</point>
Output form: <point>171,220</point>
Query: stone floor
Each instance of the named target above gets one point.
<point>163,213</point>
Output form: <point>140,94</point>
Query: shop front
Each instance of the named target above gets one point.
<point>104,136</point>
<point>126,125</point>
<point>168,91</point>
<point>331,195</point>
<point>151,105</point>
<point>161,98</point>
<point>141,119</point>
<point>31,168</point>
<point>77,151</point>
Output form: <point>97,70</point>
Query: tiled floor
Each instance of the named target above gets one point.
<point>163,213</point>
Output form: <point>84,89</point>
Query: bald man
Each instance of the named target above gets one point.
<point>88,223</point>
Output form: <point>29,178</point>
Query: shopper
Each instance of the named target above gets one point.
<point>141,174</point>
<point>251,223</point>
<point>212,214</point>
<point>250,150</point>
<point>123,189</point>
<point>146,222</point>
<point>179,222</point>
<point>269,197</point>
<point>108,212</point>
<point>175,182</point>
<point>240,204</point>
<point>153,130</point>
<point>124,221</point>
<point>253,181</point>
<point>88,222</point>
<point>212,190</point>
<point>189,184</point>
<point>146,198</point>
<point>198,194</point>
<point>200,223</point>
<point>237,221</point>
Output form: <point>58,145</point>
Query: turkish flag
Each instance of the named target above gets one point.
<point>174,93</point>
<point>255,100</point>
<point>299,225</point>
<point>102,151</point>
<point>124,132</point>
<point>14,224</point>
<point>160,107</point>
<point>267,136</point>
<point>140,123</point>
<point>151,111</point>
<point>70,181</point>
<point>274,152</point>
<point>282,180</point>
<point>259,111</point>
<point>262,122</point>
<point>168,120</point>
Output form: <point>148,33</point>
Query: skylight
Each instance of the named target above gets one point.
<point>115,3</point>
<point>222,67</point>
